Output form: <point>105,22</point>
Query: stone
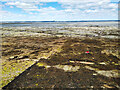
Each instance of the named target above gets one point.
<point>94,74</point>
<point>22,57</point>
<point>13,57</point>
<point>103,63</point>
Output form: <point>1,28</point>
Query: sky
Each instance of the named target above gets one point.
<point>58,10</point>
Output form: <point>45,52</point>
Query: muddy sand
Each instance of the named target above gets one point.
<point>60,62</point>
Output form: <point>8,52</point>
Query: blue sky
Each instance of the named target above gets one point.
<point>59,10</point>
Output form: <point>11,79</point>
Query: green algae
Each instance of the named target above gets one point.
<point>12,69</point>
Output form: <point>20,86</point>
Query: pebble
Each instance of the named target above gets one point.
<point>22,57</point>
<point>103,63</point>
<point>35,59</point>
<point>91,86</point>
<point>26,59</point>
<point>94,74</point>
<point>13,57</point>
<point>107,86</point>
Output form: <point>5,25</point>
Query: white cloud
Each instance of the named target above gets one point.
<point>24,6</point>
<point>91,11</point>
<point>30,5</point>
<point>73,9</point>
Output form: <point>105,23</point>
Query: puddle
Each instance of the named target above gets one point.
<point>107,73</point>
<point>109,36</point>
<point>110,73</point>
<point>81,62</point>
<point>63,31</point>
<point>68,68</point>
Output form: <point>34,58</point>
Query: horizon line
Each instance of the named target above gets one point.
<point>59,21</point>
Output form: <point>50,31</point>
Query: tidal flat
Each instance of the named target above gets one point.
<point>70,57</point>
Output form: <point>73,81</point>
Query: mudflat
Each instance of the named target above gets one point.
<point>59,61</point>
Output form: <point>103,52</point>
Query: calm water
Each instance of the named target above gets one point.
<point>60,24</point>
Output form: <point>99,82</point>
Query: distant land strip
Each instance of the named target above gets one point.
<point>25,22</point>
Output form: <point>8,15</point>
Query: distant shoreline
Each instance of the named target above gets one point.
<point>24,22</point>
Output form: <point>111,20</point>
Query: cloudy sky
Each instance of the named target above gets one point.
<point>58,10</point>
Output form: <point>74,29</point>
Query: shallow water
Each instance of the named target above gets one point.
<point>68,68</point>
<point>60,24</point>
<point>107,73</point>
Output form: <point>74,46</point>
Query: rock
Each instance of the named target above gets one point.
<point>91,86</point>
<point>35,59</point>
<point>27,59</point>
<point>13,57</point>
<point>105,85</point>
<point>22,57</point>
<point>94,74</point>
<point>103,63</point>
<point>90,68</point>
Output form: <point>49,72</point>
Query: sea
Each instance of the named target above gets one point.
<point>60,24</point>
